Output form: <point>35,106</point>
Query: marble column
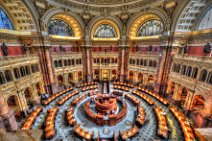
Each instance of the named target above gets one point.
<point>47,70</point>
<point>176,96</point>
<point>7,116</point>
<point>164,68</point>
<point>189,100</point>
<point>89,64</point>
<point>122,63</point>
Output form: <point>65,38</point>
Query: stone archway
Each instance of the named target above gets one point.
<point>60,80</point>
<point>198,102</point>
<point>183,94</point>
<point>171,88</point>
<point>131,76</point>
<point>114,75</point>
<point>96,74</point>
<point>13,103</point>
<point>40,88</point>
<point>140,77</point>
<point>79,76</point>
<point>28,93</point>
<point>150,82</point>
<point>70,77</point>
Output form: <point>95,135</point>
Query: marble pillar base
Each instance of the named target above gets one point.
<point>121,79</point>
<point>52,88</point>
<point>89,78</point>
<point>200,121</point>
<point>8,121</point>
<point>157,88</point>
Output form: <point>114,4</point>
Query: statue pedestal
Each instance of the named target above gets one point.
<point>8,121</point>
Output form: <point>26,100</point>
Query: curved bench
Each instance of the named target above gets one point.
<point>31,119</point>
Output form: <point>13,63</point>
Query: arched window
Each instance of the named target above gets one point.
<point>105,31</point>
<point>94,60</point>
<point>59,27</point>
<point>203,75</point>
<point>178,68</point>
<point>8,76</point>
<point>145,62</point>
<point>116,60</point>
<point>98,60</point>
<point>183,71</point>
<point>174,68</point>
<point>150,63</point>
<point>151,27</point>
<point>27,70</point>
<point>209,79</point>
<point>188,72</point>
<point>206,20</point>
<point>73,62</point>
<point>141,62</point>
<point>5,21</point>
<point>65,63</point>
<point>16,73</point>
<point>138,62</point>
<point>133,61</point>
<point>102,60</point>
<point>23,73</point>
<point>60,64</point>
<point>55,64</point>
<point>32,68</point>
<point>2,78</point>
<point>69,62</point>
<point>37,67</point>
<point>155,64</point>
<point>194,73</point>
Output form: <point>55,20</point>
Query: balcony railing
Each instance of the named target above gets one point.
<point>206,59</point>
<point>4,61</point>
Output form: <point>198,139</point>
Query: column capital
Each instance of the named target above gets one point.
<point>124,46</point>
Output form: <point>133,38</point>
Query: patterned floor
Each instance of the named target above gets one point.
<point>147,132</point>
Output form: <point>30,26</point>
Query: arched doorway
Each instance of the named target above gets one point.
<point>171,87</point>
<point>12,102</point>
<point>60,80</point>
<point>140,77</point>
<point>183,96</point>
<point>96,74</point>
<point>40,88</point>
<point>198,102</point>
<point>150,82</point>
<point>114,75</point>
<point>131,76</point>
<point>70,77</point>
<point>29,97</point>
<point>79,76</point>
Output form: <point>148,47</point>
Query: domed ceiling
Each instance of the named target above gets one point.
<point>106,6</point>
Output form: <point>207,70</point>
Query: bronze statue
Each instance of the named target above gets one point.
<point>24,49</point>
<point>4,49</point>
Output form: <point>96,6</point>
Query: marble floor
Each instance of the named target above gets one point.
<point>147,132</point>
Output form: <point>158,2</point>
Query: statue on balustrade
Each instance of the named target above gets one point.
<point>207,48</point>
<point>150,48</point>
<point>185,49</point>
<point>4,49</point>
<point>25,49</point>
